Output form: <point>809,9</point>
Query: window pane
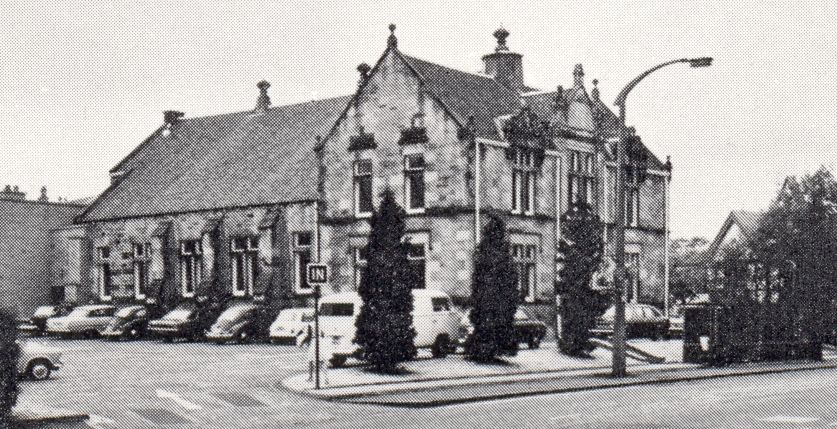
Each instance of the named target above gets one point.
<point>302,239</point>
<point>303,258</point>
<point>515,192</point>
<point>524,192</point>
<point>363,188</point>
<point>416,185</point>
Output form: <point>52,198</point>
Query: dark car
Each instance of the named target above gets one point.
<point>37,324</point>
<point>188,320</point>
<point>240,322</point>
<point>128,323</point>
<point>527,330</point>
<point>641,320</point>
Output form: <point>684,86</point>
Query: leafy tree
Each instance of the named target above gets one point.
<point>494,296</point>
<point>8,367</point>
<point>385,324</point>
<point>582,249</point>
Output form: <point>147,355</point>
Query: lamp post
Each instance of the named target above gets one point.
<point>618,369</point>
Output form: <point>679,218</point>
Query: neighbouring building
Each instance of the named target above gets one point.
<point>739,229</point>
<point>238,204</point>
<point>27,229</point>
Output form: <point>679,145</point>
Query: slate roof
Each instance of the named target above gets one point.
<point>231,160</point>
<point>748,222</point>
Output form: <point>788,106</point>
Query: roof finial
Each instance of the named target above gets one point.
<point>263,102</point>
<point>392,41</point>
<point>501,34</point>
<point>578,75</point>
<point>595,92</point>
<point>43,198</point>
<point>668,163</point>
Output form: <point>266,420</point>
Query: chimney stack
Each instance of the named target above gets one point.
<point>171,116</point>
<point>12,194</point>
<point>43,198</point>
<point>263,102</point>
<point>505,66</point>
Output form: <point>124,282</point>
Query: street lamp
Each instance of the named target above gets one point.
<point>618,369</point>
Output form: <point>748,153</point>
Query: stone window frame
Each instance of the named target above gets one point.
<point>414,168</point>
<point>525,257</point>
<point>581,183</point>
<point>524,170</point>
<point>194,257</point>
<point>141,268</point>
<point>299,249</point>
<point>416,258</point>
<point>248,256</point>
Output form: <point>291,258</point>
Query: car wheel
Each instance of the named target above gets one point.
<point>39,370</point>
<point>337,361</point>
<point>441,346</point>
<point>534,343</point>
<point>92,333</point>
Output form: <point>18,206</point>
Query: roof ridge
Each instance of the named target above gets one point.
<point>477,74</point>
<point>272,108</point>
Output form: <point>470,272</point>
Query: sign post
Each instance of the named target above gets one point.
<point>317,276</point>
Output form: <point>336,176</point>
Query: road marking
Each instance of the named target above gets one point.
<point>99,422</point>
<point>178,400</point>
<point>790,419</point>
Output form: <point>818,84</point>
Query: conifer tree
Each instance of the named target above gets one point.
<point>494,296</point>
<point>582,248</point>
<point>9,352</point>
<point>385,324</point>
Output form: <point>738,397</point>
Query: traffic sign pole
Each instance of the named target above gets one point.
<point>317,276</point>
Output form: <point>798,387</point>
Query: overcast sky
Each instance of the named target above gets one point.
<point>81,84</point>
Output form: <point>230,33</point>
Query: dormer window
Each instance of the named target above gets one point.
<point>524,182</point>
<point>581,178</point>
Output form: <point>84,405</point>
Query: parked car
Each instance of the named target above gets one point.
<point>292,326</point>
<point>37,324</point>
<point>188,320</point>
<point>240,322</point>
<point>641,320</point>
<point>38,361</point>
<point>86,320</point>
<point>527,329</point>
<point>128,323</point>
<point>435,322</point>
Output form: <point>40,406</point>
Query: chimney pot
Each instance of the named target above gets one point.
<point>43,198</point>
<point>392,41</point>
<point>578,75</point>
<point>263,102</point>
<point>171,116</point>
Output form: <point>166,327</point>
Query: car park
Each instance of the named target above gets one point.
<point>188,320</point>
<point>435,321</point>
<point>527,330</point>
<point>86,320</point>
<point>240,322</point>
<point>37,361</point>
<point>292,326</point>
<point>128,323</point>
<point>641,320</point>
<point>37,324</point>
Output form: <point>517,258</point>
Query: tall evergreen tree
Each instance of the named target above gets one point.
<point>582,249</point>
<point>385,324</point>
<point>9,352</point>
<point>494,296</point>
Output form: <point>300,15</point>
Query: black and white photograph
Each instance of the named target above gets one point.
<point>418,214</point>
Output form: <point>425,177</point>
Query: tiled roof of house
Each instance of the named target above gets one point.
<point>231,160</point>
<point>468,94</point>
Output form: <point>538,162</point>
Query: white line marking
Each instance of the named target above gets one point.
<point>178,400</point>
<point>790,419</point>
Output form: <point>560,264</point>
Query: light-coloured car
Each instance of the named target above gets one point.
<point>38,361</point>
<point>641,320</point>
<point>434,319</point>
<point>86,320</point>
<point>292,326</point>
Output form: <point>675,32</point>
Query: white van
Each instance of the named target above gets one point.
<point>435,320</point>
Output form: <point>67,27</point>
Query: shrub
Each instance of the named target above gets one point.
<point>8,366</point>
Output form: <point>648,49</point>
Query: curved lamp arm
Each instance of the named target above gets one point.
<point>694,62</point>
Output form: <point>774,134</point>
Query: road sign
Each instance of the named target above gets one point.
<point>317,274</point>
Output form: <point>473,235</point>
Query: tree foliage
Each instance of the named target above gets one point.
<point>493,295</point>
<point>385,324</point>
<point>9,352</point>
<point>582,250</point>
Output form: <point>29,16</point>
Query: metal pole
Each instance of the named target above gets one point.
<point>477,197</point>
<point>618,369</point>
<point>667,274</point>
<point>317,337</point>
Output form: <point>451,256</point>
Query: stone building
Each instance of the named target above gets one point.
<point>237,204</point>
<point>27,228</point>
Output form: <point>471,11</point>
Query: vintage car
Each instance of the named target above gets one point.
<point>37,324</point>
<point>641,320</point>
<point>292,326</point>
<point>240,323</point>
<point>527,330</point>
<point>189,320</point>
<point>38,361</point>
<point>435,321</point>
<point>86,320</point>
<point>128,323</point>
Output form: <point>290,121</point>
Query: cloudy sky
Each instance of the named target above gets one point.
<point>82,83</point>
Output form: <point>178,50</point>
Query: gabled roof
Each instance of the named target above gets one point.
<point>232,160</point>
<point>748,223</point>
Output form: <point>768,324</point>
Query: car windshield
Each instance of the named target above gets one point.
<point>337,309</point>
<point>79,312</point>
<point>234,313</point>
<point>44,311</point>
<point>289,315</point>
<point>126,312</point>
